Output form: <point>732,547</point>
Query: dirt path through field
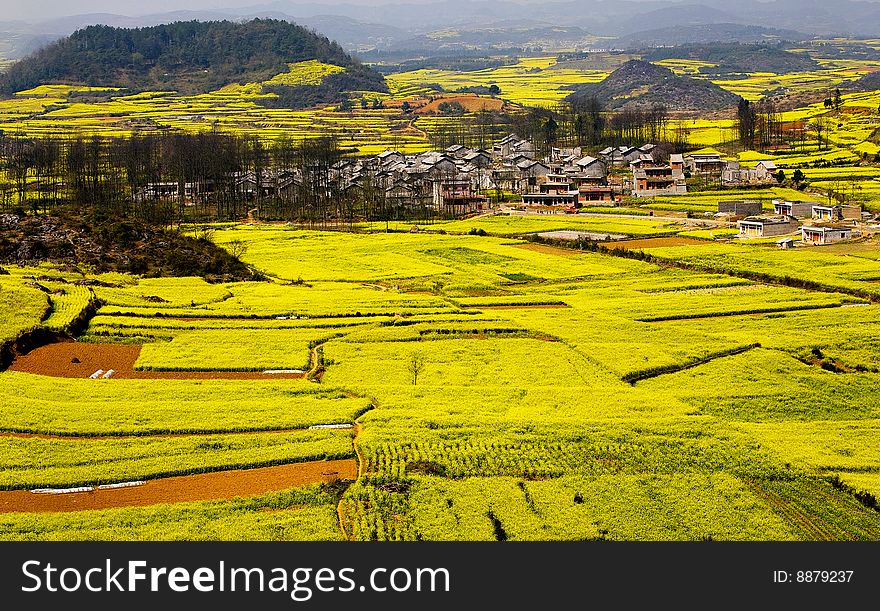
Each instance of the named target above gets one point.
<point>654,243</point>
<point>133,436</point>
<point>188,488</point>
<point>513,306</point>
<point>549,250</point>
<point>81,360</point>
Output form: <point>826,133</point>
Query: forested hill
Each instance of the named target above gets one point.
<point>189,57</point>
<point>869,82</point>
<point>642,84</point>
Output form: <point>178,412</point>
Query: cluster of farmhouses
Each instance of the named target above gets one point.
<point>817,223</point>
<point>455,181</point>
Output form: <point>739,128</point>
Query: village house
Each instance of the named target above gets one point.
<point>160,190</point>
<point>401,196</point>
<point>388,157</point>
<point>565,155</point>
<point>630,153</point>
<point>623,155</point>
<point>553,200</point>
<point>740,207</point>
<point>766,171</point>
<point>766,226</point>
<point>648,149</point>
<point>643,161</point>
<point>505,178</point>
<point>457,151</point>
<point>611,155</point>
<point>591,168</point>
<point>595,194</point>
<point>288,186</point>
<point>523,147</point>
<point>797,209</point>
<point>479,158</point>
<point>734,174</point>
<point>454,197</point>
<point>586,180</point>
<point>530,172</point>
<point>826,213</point>
<point>825,233</point>
<point>246,186</point>
<point>513,145</point>
<point>850,212</point>
<point>555,183</point>
<point>658,180</point>
<point>705,164</point>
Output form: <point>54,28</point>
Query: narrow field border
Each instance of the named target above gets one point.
<point>645,374</point>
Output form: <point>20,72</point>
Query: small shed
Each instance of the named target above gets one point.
<point>785,243</point>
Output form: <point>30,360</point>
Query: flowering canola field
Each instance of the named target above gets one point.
<point>487,389</point>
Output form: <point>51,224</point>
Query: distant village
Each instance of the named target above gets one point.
<point>455,181</point>
<point>459,181</point>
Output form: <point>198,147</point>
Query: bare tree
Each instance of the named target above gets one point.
<point>415,366</point>
<point>237,248</point>
<point>820,126</point>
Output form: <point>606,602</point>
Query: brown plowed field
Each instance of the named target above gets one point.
<point>59,360</point>
<point>188,488</point>
<point>471,103</point>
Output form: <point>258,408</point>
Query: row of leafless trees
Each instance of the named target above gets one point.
<point>588,125</point>
<point>168,178</point>
<point>584,124</point>
<point>759,125</point>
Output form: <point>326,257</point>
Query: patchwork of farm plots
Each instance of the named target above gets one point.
<point>479,387</point>
<point>233,109</point>
<point>534,81</point>
<point>62,110</point>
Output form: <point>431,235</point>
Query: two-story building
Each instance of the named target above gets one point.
<point>657,180</point>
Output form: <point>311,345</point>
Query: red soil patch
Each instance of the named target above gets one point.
<point>59,360</point>
<point>653,243</point>
<point>471,103</point>
<point>188,488</point>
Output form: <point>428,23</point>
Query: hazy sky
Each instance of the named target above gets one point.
<point>48,9</point>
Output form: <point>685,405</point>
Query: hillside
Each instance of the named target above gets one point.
<point>639,83</point>
<point>104,244</point>
<point>190,57</point>
<point>738,58</point>
<point>869,82</point>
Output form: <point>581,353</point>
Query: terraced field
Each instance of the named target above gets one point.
<point>453,387</point>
